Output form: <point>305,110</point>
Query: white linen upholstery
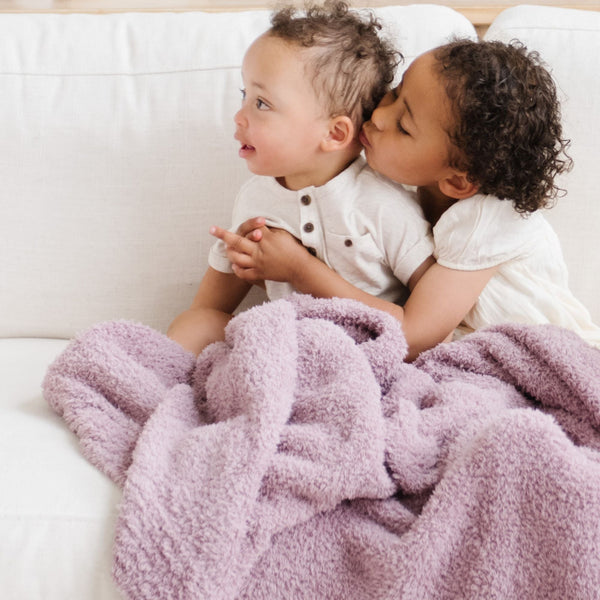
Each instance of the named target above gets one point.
<point>116,155</point>
<point>57,512</point>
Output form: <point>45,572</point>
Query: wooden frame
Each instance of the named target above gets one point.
<point>480,12</point>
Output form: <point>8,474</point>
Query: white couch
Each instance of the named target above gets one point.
<point>116,155</point>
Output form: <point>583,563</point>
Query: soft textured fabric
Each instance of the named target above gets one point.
<point>302,458</point>
<point>365,227</point>
<point>531,283</point>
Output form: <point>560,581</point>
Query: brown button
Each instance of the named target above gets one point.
<point>308,227</point>
<point>348,243</point>
<point>305,200</point>
<point>312,251</point>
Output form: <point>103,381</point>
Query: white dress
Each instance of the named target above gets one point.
<point>531,283</point>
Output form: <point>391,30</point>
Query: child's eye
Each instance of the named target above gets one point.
<point>243,92</point>
<point>401,129</point>
<point>262,105</point>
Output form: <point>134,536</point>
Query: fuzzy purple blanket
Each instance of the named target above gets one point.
<point>302,458</point>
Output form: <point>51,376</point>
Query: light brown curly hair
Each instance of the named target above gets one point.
<point>351,65</point>
<point>507,122</point>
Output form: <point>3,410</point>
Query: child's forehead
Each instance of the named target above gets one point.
<point>272,53</point>
<point>424,90</point>
<point>270,42</point>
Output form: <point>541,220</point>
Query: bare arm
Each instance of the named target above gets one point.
<point>219,294</point>
<point>220,291</point>
<point>439,300</point>
<point>438,303</point>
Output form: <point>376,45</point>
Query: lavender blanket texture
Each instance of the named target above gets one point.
<point>303,459</point>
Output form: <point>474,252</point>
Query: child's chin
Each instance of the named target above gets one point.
<point>257,170</point>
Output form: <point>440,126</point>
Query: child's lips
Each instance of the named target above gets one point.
<point>246,150</point>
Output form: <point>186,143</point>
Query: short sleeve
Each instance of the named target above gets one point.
<point>217,258</point>
<point>481,232</point>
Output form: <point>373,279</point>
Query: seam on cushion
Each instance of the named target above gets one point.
<point>130,74</point>
<point>62,518</point>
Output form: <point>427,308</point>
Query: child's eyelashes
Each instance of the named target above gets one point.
<point>401,129</point>
<point>259,102</point>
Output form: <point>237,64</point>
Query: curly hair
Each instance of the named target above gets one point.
<point>507,123</point>
<point>351,66</point>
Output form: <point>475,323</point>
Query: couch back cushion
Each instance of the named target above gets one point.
<point>117,154</point>
<point>569,42</point>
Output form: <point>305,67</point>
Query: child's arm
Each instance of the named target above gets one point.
<point>438,303</point>
<point>440,297</point>
<point>218,295</point>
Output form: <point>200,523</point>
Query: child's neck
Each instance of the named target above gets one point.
<point>329,165</point>
<point>434,203</point>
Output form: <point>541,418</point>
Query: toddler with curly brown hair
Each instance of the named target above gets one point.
<point>475,127</point>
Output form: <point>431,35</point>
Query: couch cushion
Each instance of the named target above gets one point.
<point>57,512</point>
<point>569,42</point>
<point>117,154</point>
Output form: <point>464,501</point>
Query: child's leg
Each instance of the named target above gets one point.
<point>196,328</point>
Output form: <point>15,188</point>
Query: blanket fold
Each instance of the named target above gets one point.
<point>302,458</point>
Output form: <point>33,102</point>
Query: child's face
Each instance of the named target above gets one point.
<point>281,122</point>
<point>406,138</point>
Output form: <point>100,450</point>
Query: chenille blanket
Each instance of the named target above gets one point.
<point>302,458</point>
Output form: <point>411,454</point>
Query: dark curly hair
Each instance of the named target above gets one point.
<point>352,66</point>
<point>507,127</point>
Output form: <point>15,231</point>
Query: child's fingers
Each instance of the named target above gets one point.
<point>233,241</point>
<point>255,235</point>
<point>250,225</point>
<point>246,274</point>
<point>240,259</point>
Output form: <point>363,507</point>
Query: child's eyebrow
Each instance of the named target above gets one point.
<point>258,84</point>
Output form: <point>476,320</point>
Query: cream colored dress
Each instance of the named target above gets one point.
<point>531,284</point>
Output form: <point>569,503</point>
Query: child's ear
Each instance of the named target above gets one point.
<point>340,134</point>
<point>457,185</point>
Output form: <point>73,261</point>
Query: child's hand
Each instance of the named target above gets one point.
<point>277,256</point>
<point>252,228</point>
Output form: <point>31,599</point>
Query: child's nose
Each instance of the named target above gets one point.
<point>240,118</point>
<point>378,117</point>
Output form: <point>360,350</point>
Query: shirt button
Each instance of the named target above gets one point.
<point>348,243</point>
<point>312,251</point>
<point>305,200</point>
<point>308,227</point>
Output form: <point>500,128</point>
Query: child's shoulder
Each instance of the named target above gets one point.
<point>369,181</point>
<point>486,213</point>
<point>483,230</point>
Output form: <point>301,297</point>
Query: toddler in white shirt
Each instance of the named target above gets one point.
<point>309,83</point>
